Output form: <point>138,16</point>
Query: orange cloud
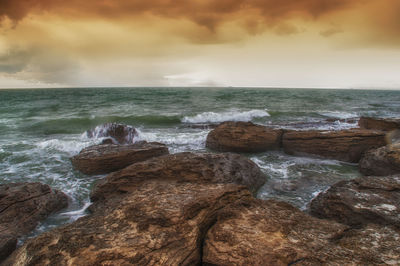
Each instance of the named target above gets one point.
<point>208,13</point>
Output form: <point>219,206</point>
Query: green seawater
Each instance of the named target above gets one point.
<point>40,129</point>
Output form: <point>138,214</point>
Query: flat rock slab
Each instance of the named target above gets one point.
<point>107,158</point>
<point>243,137</point>
<point>346,145</point>
<point>184,167</point>
<point>382,161</point>
<point>361,201</point>
<point>274,233</point>
<point>384,124</point>
<point>114,132</point>
<point>22,207</point>
<point>162,223</point>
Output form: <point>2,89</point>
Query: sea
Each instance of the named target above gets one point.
<point>41,129</point>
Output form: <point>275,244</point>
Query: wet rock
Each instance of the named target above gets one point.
<point>384,124</point>
<point>243,137</point>
<point>382,161</point>
<point>184,167</point>
<point>361,201</point>
<point>254,232</point>
<point>107,158</point>
<point>162,223</point>
<point>22,207</point>
<point>346,145</point>
<point>117,133</point>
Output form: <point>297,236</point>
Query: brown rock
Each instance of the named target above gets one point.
<point>184,167</point>
<point>253,232</point>
<point>346,145</point>
<point>361,201</point>
<point>22,207</point>
<point>382,161</point>
<point>162,223</point>
<point>107,158</point>
<point>119,133</point>
<point>243,137</point>
<point>384,124</point>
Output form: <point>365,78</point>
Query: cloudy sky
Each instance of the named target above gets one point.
<point>266,43</point>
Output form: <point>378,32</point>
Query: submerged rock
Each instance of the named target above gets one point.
<point>107,158</point>
<point>162,223</point>
<point>361,201</point>
<point>22,207</point>
<point>382,161</point>
<point>346,145</point>
<point>243,137</point>
<point>184,167</point>
<point>255,232</point>
<point>117,133</point>
<point>384,124</point>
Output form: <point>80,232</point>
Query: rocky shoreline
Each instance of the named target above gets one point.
<point>156,208</point>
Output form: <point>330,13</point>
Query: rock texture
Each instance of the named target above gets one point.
<point>184,167</point>
<point>116,133</point>
<point>107,158</point>
<point>22,207</point>
<point>274,233</point>
<point>162,223</point>
<point>384,124</point>
<point>382,161</point>
<point>346,145</point>
<point>243,137</point>
<point>361,201</point>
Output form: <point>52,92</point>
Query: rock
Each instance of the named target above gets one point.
<point>253,232</point>
<point>22,207</point>
<point>384,124</point>
<point>346,145</point>
<point>107,158</point>
<point>118,133</point>
<point>361,201</point>
<point>162,223</point>
<point>184,167</point>
<point>382,161</point>
<point>243,137</point>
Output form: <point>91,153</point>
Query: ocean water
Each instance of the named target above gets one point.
<point>41,129</point>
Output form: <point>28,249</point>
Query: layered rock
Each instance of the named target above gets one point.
<point>243,137</point>
<point>184,167</point>
<point>361,201</point>
<point>22,207</point>
<point>107,158</point>
<point>346,145</point>
<point>384,124</point>
<point>275,233</point>
<point>116,133</point>
<point>382,161</point>
<point>162,223</point>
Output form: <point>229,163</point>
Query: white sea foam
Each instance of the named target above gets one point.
<point>233,115</point>
<point>69,146</point>
<point>337,114</point>
<point>177,141</point>
<point>74,215</point>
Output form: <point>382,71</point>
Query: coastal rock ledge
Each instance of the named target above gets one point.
<point>107,158</point>
<point>183,167</point>
<point>346,145</point>
<point>361,201</point>
<point>243,137</point>
<point>382,161</point>
<point>22,207</point>
<point>384,124</point>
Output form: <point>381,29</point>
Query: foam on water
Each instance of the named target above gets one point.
<point>177,140</point>
<point>232,115</point>
<point>338,114</point>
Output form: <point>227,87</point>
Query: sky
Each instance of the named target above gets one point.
<point>243,43</point>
